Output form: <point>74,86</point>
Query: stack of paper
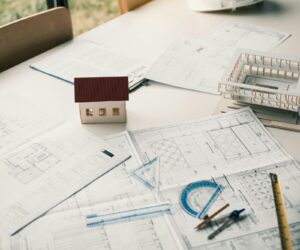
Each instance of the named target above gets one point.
<point>234,148</point>
<point>37,175</point>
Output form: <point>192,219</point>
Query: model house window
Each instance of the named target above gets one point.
<point>89,112</point>
<point>116,111</point>
<point>102,112</point>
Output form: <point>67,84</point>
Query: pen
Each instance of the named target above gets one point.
<point>207,218</point>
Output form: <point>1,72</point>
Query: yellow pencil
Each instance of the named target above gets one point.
<point>285,236</point>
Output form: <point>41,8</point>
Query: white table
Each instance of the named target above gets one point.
<point>144,34</point>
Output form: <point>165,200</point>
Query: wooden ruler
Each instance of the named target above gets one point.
<point>285,236</point>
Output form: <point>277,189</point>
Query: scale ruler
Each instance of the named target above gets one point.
<point>285,236</point>
<point>128,215</point>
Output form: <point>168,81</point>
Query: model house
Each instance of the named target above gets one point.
<point>102,99</point>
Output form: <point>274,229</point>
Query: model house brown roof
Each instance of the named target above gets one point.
<point>99,89</point>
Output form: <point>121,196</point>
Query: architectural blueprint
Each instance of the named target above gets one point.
<point>199,64</point>
<point>115,185</point>
<point>250,190</point>
<point>48,169</point>
<point>233,150</point>
<point>64,227</point>
<point>237,152</point>
<point>16,124</point>
<point>210,147</point>
<point>83,58</point>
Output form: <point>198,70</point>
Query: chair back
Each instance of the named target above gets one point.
<point>30,36</point>
<point>128,5</point>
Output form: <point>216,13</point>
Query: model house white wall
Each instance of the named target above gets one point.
<point>102,112</point>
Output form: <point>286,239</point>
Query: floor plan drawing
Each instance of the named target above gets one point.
<point>265,239</point>
<point>49,168</point>
<point>171,158</point>
<point>189,152</point>
<point>118,190</point>
<point>228,143</point>
<point>257,199</point>
<point>16,126</point>
<point>199,64</point>
<point>237,141</point>
<point>209,147</point>
<point>75,238</point>
<point>84,58</point>
<point>31,162</point>
<point>119,182</point>
<point>236,152</point>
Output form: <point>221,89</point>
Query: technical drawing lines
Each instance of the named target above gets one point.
<point>31,162</point>
<point>147,236</point>
<point>169,154</point>
<point>228,143</point>
<point>191,150</point>
<point>250,139</point>
<point>257,185</point>
<point>76,238</point>
<point>245,117</point>
<point>123,177</point>
<point>258,188</point>
<point>119,142</point>
<point>4,130</point>
<point>238,141</point>
<point>267,239</point>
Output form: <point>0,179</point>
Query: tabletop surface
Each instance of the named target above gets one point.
<point>144,34</point>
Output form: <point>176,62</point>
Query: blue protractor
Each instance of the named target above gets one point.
<point>192,188</point>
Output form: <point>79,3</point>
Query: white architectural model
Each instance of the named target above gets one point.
<point>263,79</point>
<point>102,99</point>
